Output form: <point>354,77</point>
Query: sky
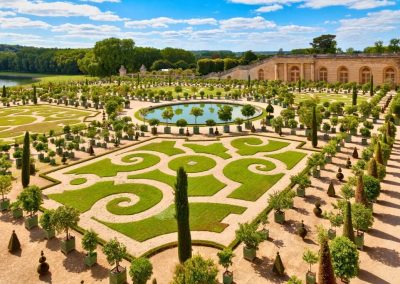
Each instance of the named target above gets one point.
<point>237,25</point>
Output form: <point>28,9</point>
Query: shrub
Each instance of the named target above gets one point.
<point>248,234</point>
<point>46,220</point>
<point>31,198</point>
<point>196,270</point>
<point>344,258</point>
<point>5,185</point>
<point>362,217</point>
<point>115,252</point>
<point>141,270</point>
<point>65,217</point>
<point>225,258</point>
<point>89,241</point>
<point>372,188</point>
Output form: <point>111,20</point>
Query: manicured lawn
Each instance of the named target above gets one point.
<point>16,120</point>
<point>252,145</point>
<point>253,185</point>
<point>196,185</point>
<point>78,181</point>
<point>192,164</point>
<point>83,199</point>
<point>332,97</point>
<point>105,168</point>
<point>167,147</point>
<point>203,217</point>
<point>290,158</point>
<point>216,149</point>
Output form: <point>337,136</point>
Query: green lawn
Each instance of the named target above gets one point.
<point>290,158</point>
<point>332,97</point>
<point>46,78</point>
<point>167,147</point>
<point>87,197</point>
<point>203,217</point>
<point>216,149</point>
<point>78,181</point>
<point>250,146</point>
<point>105,168</point>
<point>253,185</point>
<point>195,184</point>
<point>192,164</point>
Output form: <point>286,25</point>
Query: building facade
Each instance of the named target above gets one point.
<point>357,68</point>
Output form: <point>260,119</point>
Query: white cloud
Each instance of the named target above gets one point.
<point>86,30</point>
<point>102,1</point>
<point>164,22</point>
<point>58,9</point>
<point>22,22</point>
<point>6,13</point>
<point>270,8</point>
<point>239,23</point>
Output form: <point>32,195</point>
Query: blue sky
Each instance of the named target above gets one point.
<point>237,25</point>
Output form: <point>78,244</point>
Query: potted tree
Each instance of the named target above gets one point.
<point>335,220</point>
<point>143,113</point>
<point>167,114</point>
<point>115,252</point>
<point>225,260</point>
<point>181,123</point>
<point>326,127</point>
<point>239,121</point>
<point>372,188</point>
<point>31,198</point>
<point>225,114</point>
<point>277,124</point>
<point>248,111</point>
<point>141,270</point>
<point>362,220</point>
<point>345,259</point>
<point>16,209</point>
<point>365,133</point>
<point>5,188</point>
<point>196,112</point>
<point>302,181</point>
<point>310,258</point>
<point>292,123</point>
<point>65,218</point>
<point>154,123</point>
<point>210,123</point>
<point>248,234</point>
<point>279,202</point>
<point>46,221</point>
<point>89,243</point>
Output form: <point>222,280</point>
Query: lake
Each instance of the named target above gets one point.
<point>10,81</point>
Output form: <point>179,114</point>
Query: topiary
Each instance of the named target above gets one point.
<point>360,194</point>
<point>348,223</point>
<point>355,153</point>
<point>278,267</point>
<point>348,163</point>
<point>340,175</point>
<point>301,230</point>
<point>14,245</point>
<point>373,168</point>
<point>331,190</point>
<point>43,267</point>
<point>317,209</point>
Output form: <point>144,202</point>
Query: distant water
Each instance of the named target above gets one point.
<point>10,81</point>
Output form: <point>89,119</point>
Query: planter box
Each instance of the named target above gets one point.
<point>239,128</point>
<point>91,259</point>
<point>331,234</point>
<point>196,130</point>
<point>18,163</point>
<point>167,130</point>
<point>67,245</point>
<point>181,131</point>
<point>301,192</point>
<point>263,129</point>
<point>249,253</point>
<point>326,136</point>
<point>279,217</point>
<point>211,130</point>
<point>353,131</point>
<point>31,222</point>
<point>359,240</point>
<point>328,159</point>
<point>348,139</point>
<point>227,277</point>
<point>49,234</point>
<point>292,131</point>
<point>17,213</point>
<point>118,277</point>
<point>364,141</point>
<point>333,130</point>
<point>4,204</point>
<point>311,278</point>
<point>316,173</point>
<point>154,130</point>
<point>226,129</point>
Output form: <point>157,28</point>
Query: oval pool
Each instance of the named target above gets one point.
<point>210,111</point>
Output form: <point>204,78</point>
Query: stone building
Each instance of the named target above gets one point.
<point>330,68</point>
<point>122,71</point>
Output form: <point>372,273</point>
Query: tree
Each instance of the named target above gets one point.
<point>394,45</point>
<point>248,111</point>
<point>314,129</point>
<point>182,216</point>
<point>34,96</point>
<point>344,258</point>
<point>248,57</point>
<point>141,270</point>
<point>248,234</point>
<point>5,185</point>
<point>4,93</point>
<point>354,96</point>
<point>325,271</point>
<point>115,253</point>
<point>26,160</point>
<point>371,86</point>
<point>89,241</point>
<point>360,192</point>
<point>65,218</point>
<point>378,153</point>
<point>168,114</point>
<point>373,168</point>
<point>196,271</point>
<point>225,258</point>
<point>225,113</point>
<point>310,257</point>
<point>196,112</point>
<point>372,188</point>
<point>324,44</point>
<point>347,223</point>
<point>31,198</point>
<point>46,220</point>
<point>362,217</point>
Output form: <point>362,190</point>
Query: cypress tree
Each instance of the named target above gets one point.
<point>248,81</point>
<point>26,156</point>
<point>373,168</point>
<point>371,87</point>
<point>314,130</point>
<point>325,271</point>
<point>348,225</point>
<point>378,153</point>
<point>34,97</point>
<point>4,94</point>
<point>355,93</point>
<point>360,193</point>
<point>299,86</point>
<point>182,216</point>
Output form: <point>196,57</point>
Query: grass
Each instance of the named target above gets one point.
<point>253,185</point>
<point>332,97</point>
<point>192,164</point>
<point>167,147</point>
<point>78,181</point>
<point>105,168</point>
<point>46,78</point>
<point>84,199</point>
<point>195,184</point>
<point>216,149</point>
<point>253,145</point>
<point>203,217</point>
<point>290,158</point>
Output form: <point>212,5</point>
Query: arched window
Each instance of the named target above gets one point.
<point>343,75</point>
<point>260,74</point>
<point>365,75</point>
<point>323,74</point>
<point>390,75</point>
<point>294,74</point>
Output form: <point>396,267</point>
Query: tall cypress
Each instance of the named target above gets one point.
<point>373,168</point>
<point>314,129</point>
<point>26,156</point>
<point>34,96</point>
<point>326,274</point>
<point>182,216</point>
<point>355,93</point>
<point>371,87</point>
<point>4,94</point>
<point>348,230</point>
<point>378,153</point>
<point>360,193</point>
<point>248,81</point>
<point>299,86</point>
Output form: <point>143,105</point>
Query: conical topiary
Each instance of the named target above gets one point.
<point>91,151</point>
<point>154,281</point>
<point>331,190</point>
<point>278,268</point>
<point>360,193</point>
<point>348,225</point>
<point>301,230</point>
<point>14,244</point>
<point>326,274</point>
<point>378,153</point>
<point>43,267</point>
<point>373,168</point>
<point>355,153</point>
